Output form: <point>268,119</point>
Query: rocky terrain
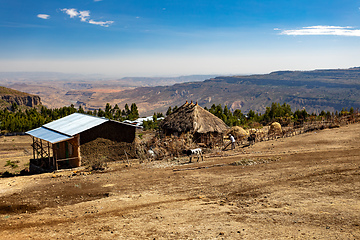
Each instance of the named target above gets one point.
<point>302,187</point>
<point>9,96</point>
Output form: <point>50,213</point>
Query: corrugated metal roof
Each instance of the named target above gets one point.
<point>65,128</point>
<point>48,135</point>
<point>75,123</point>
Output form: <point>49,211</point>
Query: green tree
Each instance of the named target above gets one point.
<point>168,112</point>
<point>127,110</point>
<point>351,111</point>
<point>301,115</point>
<point>101,113</point>
<point>81,110</point>
<point>134,113</point>
<point>14,107</point>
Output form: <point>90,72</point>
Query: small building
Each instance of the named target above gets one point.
<point>58,144</point>
<point>139,122</point>
<point>191,118</point>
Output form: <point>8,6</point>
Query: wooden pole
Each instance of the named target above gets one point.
<point>33,147</point>
<point>41,149</point>
<point>49,154</point>
<point>54,156</point>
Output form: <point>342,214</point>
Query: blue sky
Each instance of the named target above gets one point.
<point>169,38</point>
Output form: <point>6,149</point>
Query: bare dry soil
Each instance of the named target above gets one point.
<point>304,187</point>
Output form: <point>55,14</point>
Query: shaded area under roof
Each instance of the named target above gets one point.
<point>48,135</point>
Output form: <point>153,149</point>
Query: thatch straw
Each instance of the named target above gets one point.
<point>275,128</point>
<point>192,118</point>
<point>238,132</point>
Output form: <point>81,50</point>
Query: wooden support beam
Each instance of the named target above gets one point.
<point>49,154</point>
<point>33,145</point>
<point>41,149</point>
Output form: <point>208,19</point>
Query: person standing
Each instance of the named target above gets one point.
<point>232,139</point>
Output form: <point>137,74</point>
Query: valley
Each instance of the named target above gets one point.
<point>317,90</point>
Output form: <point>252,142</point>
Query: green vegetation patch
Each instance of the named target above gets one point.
<point>11,164</point>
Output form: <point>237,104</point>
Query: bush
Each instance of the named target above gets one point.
<point>11,164</point>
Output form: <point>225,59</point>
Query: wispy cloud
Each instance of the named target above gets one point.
<point>97,0</point>
<point>101,23</point>
<point>43,16</point>
<point>323,30</point>
<point>85,16</point>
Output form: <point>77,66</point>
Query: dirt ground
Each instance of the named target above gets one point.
<point>17,150</point>
<point>303,187</point>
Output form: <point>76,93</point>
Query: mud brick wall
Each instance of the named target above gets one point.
<point>111,130</point>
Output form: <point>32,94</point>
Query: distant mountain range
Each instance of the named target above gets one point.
<point>328,90</point>
<point>76,79</point>
<point>317,90</point>
<point>61,89</point>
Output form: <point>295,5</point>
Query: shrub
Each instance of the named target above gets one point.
<point>11,164</point>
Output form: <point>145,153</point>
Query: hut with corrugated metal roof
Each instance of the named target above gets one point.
<point>58,144</point>
<point>192,118</point>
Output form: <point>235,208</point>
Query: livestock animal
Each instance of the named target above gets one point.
<point>191,152</point>
<point>252,138</point>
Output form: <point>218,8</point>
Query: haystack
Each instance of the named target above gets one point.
<point>191,118</point>
<point>275,128</point>
<point>238,132</point>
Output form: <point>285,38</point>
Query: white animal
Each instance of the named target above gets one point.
<point>192,152</point>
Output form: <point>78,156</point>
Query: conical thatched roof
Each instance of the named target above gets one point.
<point>192,118</point>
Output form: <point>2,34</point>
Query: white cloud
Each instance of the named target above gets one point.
<point>323,30</point>
<point>43,16</point>
<point>72,12</point>
<point>97,0</point>
<point>101,23</point>
<point>85,16</point>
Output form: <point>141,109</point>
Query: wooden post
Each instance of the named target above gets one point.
<point>41,149</point>
<point>33,147</point>
<point>49,154</point>
<point>56,162</point>
<point>54,156</point>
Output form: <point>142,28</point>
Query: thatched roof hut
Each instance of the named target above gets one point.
<point>192,118</point>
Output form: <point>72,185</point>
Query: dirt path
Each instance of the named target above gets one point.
<point>304,187</point>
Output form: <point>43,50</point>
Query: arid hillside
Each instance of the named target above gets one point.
<point>10,96</point>
<point>90,91</point>
<point>318,90</point>
<point>301,187</point>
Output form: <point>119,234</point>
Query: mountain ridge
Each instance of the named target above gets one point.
<point>9,96</point>
<point>317,90</point>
